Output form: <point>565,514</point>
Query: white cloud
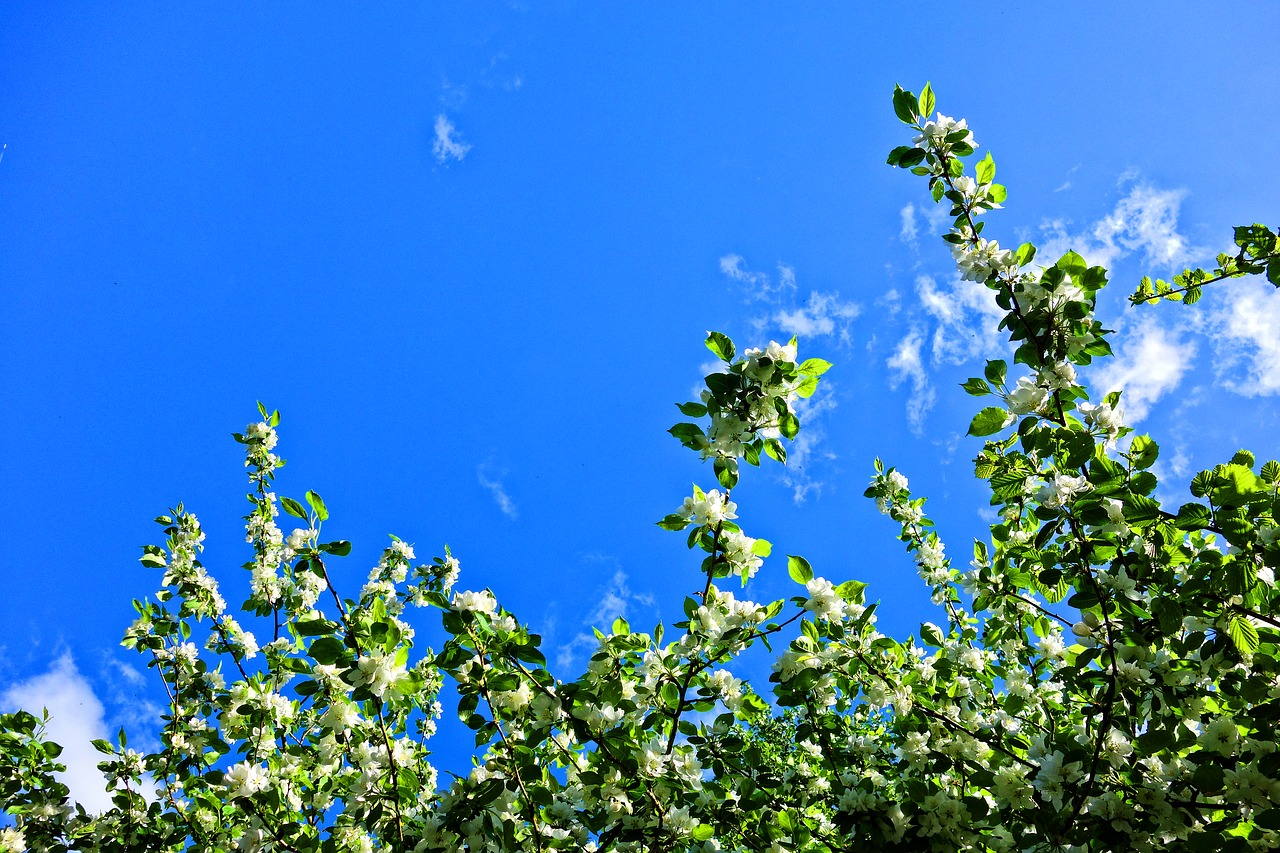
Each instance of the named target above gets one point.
<point>968,320</point>
<point>75,718</point>
<point>906,363</point>
<point>1149,363</point>
<point>1145,220</point>
<point>760,285</point>
<point>494,484</point>
<point>448,145</point>
<point>824,314</point>
<point>1247,327</point>
<point>909,230</point>
<point>808,445</point>
<point>615,601</point>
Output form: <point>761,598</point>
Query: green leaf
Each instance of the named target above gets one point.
<point>976,387</point>
<point>1244,636</point>
<point>673,522</point>
<point>338,548</point>
<point>799,569</point>
<point>788,425</point>
<point>905,105</point>
<point>986,169</point>
<point>726,473</point>
<point>294,508</point>
<point>327,650</point>
<point>720,344</point>
<point>1026,252</point>
<point>762,547</point>
<point>995,371</point>
<point>1208,777</point>
<point>774,448</point>
<point>693,410</point>
<point>1243,457</point>
<point>988,421</point>
<point>1234,485</point>
<point>926,100</point>
<point>1143,451</point>
<point>851,591</point>
<point>930,634</point>
<point>814,367</point>
<point>316,627</point>
<point>895,156</point>
<point>1072,264</point>
<point>807,386</point>
<point>322,513</point>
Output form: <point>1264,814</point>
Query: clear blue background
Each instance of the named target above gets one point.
<point>206,205</point>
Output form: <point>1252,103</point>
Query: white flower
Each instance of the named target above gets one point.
<point>1027,397</point>
<point>1104,417</point>
<point>12,840</point>
<point>710,509</point>
<point>245,779</point>
<point>979,262</point>
<point>299,538</point>
<point>933,132</point>
<point>1061,489</point>
<point>1220,736</point>
<point>824,602</point>
<point>897,480</point>
<point>478,602</point>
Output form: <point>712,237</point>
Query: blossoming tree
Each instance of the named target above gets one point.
<point>1107,676</point>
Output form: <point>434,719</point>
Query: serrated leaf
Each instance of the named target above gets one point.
<point>799,569</point>
<point>1072,264</point>
<point>1143,451</point>
<point>814,367</point>
<point>1244,636</point>
<point>988,421</point>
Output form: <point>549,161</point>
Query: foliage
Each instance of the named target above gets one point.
<point>1259,255</point>
<point>1106,676</point>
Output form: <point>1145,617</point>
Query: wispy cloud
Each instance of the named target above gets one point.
<point>1150,362</point>
<point>808,446</point>
<point>967,319</point>
<point>823,314</point>
<point>616,600</point>
<point>905,364</point>
<point>909,230</point>
<point>820,316</point>
<point>759,285</point>
<point>76,717</point>
<point>492,480</point>
<point>448,143</point>
<point>1145,220</point>
<point>1247,339</point>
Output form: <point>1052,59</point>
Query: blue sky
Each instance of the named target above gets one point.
<point>470,252</point>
